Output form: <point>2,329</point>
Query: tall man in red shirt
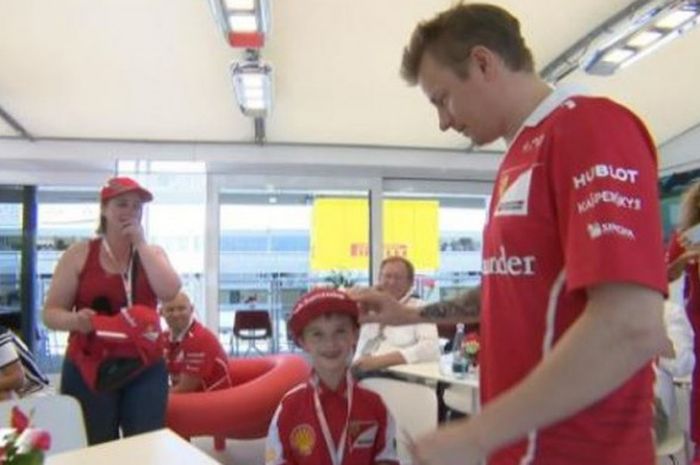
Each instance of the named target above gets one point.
<point>573,265</point>
<point>196,361</point>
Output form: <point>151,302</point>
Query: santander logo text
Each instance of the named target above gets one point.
<point>502,264</point>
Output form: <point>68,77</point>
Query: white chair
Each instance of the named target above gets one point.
<point>413,406</point>
<point>60,415</point>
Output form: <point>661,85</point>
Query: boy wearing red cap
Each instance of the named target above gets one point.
<point>329,420</point>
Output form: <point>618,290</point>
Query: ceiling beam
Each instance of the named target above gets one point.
<point>15,124</point>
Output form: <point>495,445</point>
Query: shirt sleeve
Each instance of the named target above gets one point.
<point>427,345</point>
<point>386,440</point>
<point>603,169</point>
<point>275,452</point>
<point>8,354</point>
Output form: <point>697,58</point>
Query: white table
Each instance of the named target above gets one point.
<point>159,447</point>
<point>441,371</point>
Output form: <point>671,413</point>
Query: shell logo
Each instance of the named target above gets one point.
<point>302,438</point>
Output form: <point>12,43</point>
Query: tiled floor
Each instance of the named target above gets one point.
<point>236,453</point>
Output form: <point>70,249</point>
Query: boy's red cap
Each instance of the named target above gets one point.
<point>319,302</point>
<point>121,185</point>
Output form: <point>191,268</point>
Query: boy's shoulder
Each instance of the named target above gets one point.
<point>297,393</point>
<point>369,398</point>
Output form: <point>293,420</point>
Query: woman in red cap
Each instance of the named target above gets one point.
<point>101,276</point>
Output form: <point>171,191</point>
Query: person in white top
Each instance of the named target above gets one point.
<point>681,364</point>
<point>382,346</point>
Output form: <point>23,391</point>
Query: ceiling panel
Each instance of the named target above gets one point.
<point>158,70</point>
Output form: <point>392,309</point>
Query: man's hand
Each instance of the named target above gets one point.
<point>380,307</point>
<point>449,445</point>
<point>364,364</point>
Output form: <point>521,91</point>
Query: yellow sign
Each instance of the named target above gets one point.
<point>411,231</point>
<point>340,233</point>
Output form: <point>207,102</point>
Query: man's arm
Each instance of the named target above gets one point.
<point>380,307</point>
<point>619,331</point>
<point>378,362</point>
<point>463,308</point>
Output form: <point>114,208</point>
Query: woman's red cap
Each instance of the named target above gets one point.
<point>122,185</point>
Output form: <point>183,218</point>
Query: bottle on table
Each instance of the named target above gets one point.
<point>460,364</point>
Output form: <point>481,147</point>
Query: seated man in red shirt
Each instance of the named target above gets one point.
<point>196,361</point>
<point>330,419</point>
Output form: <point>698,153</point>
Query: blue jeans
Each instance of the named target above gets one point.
<point>137,407</point>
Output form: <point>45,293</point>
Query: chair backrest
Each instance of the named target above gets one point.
<point>251,320</point>
<point>420,418</point>
<point>60,415</point>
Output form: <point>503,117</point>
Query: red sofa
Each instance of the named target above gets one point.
<point>243,411</point>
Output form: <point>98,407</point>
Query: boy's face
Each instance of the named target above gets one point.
<point>330,340</point>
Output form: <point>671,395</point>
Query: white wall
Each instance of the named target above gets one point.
<point>22,161</point>
<point>682,153</point>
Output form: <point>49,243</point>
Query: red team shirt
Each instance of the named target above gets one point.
<point>199,354</point>
<point>691,299</point>
<point>295,436</point>
<point>691,286</point>
<point>575,205</point>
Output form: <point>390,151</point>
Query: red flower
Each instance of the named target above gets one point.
<point>473,336</point>
<point>40,440</point>
<point>19,420</point>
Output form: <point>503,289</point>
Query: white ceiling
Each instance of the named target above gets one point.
<point>157,70</point>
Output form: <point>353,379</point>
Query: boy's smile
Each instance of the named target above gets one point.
<point>330,341</point>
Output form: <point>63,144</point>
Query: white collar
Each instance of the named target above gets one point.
<point>558,96</point>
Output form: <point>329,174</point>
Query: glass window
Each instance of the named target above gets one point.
<point>275,246</point>
<point>451,262</point>
<point>10,248</point>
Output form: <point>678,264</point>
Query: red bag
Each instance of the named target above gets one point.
<point>122,346</point>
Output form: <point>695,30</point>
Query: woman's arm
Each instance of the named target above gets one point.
<point>676,267</point>
<point>60,300</point>
<point>162,277</point>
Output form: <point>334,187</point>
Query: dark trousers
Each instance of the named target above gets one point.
<point>137,407</point>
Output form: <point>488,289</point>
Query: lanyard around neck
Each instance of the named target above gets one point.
<point>336,453</point>
<point>127,275</point>
<point>373,344</point>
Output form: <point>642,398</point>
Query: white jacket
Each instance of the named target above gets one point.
<point>416,343</point>
<point>681,335</point>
